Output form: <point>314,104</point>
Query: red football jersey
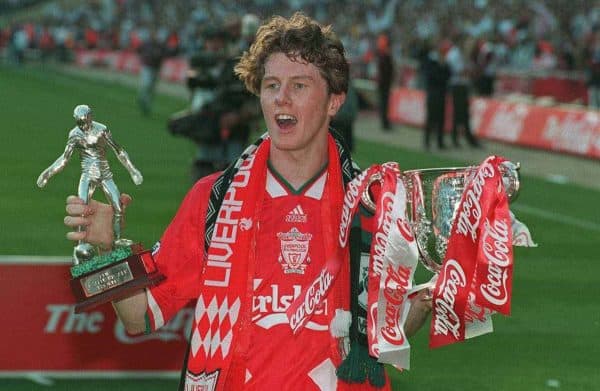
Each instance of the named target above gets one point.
<point>289,255</point>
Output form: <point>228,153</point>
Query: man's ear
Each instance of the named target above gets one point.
<point>335,102</point>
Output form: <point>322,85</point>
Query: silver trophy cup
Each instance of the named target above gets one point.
<point>433,197</point>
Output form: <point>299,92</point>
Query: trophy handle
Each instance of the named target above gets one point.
<point>365,197</point>
<point>511,178</point>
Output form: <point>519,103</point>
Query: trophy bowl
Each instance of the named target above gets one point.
<point>433,198</point>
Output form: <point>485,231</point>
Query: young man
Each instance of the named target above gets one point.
<point>257,245</point>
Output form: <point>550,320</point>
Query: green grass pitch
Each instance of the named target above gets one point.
<point>551,340</point>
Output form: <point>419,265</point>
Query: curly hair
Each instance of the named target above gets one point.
<point>301,39</point>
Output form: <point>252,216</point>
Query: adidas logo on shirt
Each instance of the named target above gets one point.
<point>296,215</point>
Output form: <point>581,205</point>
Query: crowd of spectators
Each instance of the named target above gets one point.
<point>525,35</point>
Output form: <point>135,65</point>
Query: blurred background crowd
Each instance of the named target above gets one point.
<point>524,35</point>
<point>447,48</point>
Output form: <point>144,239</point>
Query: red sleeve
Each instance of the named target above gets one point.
<point>179,256</point>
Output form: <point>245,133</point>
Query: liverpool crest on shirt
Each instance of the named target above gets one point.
<point>294,251</point>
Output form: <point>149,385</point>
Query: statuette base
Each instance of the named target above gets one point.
<point>113,276</point>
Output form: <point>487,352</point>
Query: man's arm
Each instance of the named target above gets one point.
<point>132,312</point>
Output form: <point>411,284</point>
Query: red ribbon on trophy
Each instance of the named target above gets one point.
<point>476,276</point>
<point>393,259</point>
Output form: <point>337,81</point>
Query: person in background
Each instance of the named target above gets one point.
<point>152,53</point>
<point>460,85</point>
<point>221,110</point>
<point>484,58</point>
<point>436,73</point>
<point>343,121</point>
<point>46,43</point>
<point>249,25</point>
<point>19,42</point>
<point>385,78</point>
<point>249,243</point>
<point>592,57</point>
<point>544,58</point>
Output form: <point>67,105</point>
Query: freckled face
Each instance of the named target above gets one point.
<point>296,104</point>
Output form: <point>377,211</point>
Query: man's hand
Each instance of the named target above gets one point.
<point>96,218</point>
<point>419,312</point>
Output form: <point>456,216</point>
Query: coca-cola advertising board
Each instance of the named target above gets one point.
<point>574,131</point>
<point>40,332</point>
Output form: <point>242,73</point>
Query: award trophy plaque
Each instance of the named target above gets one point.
<point>432,202</point>
<point>100,278</point>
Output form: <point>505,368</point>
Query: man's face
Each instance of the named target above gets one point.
<point>296,104</point>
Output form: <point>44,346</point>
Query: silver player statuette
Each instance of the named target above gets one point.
<point>100,278</point>
<point>90,139</point>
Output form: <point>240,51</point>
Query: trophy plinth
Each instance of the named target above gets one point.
<point>113,276</point>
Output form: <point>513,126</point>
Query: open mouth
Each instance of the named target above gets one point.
<point>285,120</point>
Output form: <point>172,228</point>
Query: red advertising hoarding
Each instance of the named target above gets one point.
<point>572,131</point>
<point>40,332</point>
<point>567,130</point>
